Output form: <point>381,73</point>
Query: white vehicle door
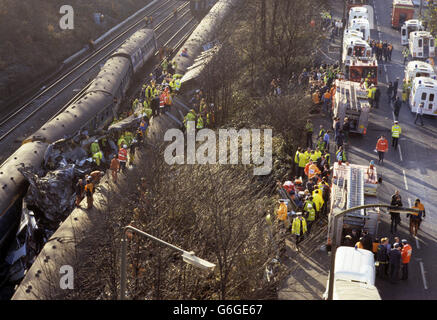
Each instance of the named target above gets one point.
<point>404,35</point>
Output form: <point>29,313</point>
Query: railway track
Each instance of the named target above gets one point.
<point>10,124</point>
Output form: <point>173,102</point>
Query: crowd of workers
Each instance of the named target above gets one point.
<point>382,50</point>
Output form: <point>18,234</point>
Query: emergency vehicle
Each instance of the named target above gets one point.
<point>356,3</point>
<point>355,47</point>
<point>402,11</point>
<point>424,90</point>
<point>418,68</point>
<point>350,100</point>
<point>362,12</point>
<point>361,25</point>
<point>408,27</point>
<point>421,44</point>
<point>360,69</point>
<point>355,33</point>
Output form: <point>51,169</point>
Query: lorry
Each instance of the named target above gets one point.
<point>408,27</point>
<point>354,275</point>
<point>350,100</point>
<point>355,47</point>
<point>421,45</point>
<point>353,185</point>
<point>418,68</point>
<point>424,90</point>
<point>402,11</point>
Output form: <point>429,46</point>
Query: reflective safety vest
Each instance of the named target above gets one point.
<point>406,252</point>
<point>307,156</point>
<point>128,137</point>
<point>89,188</point>
<point>311,213</point>
<point>155,92</point>
<point>302,160</point>
<point>328,158</point>
<point>149,92</point>
<point>177,83</point>
<point>318,200</point>
<point>94,147</point>
<point>162,100</point>
<point>172,85</point>
<point>318,153</point>
<point>199,124</point>
<point>122,155</point>
<point>148,112</point>
<point>313,157</point>
<point>189,117</point>
<point>207,119</point>
<point>97,157</point>
<point>309,127</point>
<point>296,157</point>
<point>312,171</point>
<point>395,131</point>
<point>322,133</point>
<point>121,141</point>
<point>343,156</point>
<point>297,222</point>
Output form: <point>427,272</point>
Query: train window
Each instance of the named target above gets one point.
<point>423,96</point>
<point>431,97</point>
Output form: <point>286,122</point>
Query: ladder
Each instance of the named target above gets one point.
<point>355,192</point>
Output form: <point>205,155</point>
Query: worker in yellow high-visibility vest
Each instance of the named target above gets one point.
<point>395,134</point>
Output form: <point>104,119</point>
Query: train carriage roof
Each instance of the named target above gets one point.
<point>110,76</point>
<point>131,45</point>
<point>69,122</point>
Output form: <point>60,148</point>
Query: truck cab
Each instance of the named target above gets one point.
<point>359,70</point>
<point>421,45</point>
<point>402,11</point>
<point>424,90</point>
<point>408,27</point>
<point>418,68</point>
<point>354,47</point>
<point>361,25</point>
<point>354,275</point>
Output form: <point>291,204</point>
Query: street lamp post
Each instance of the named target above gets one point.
<point>187,257</point>
<point>337,214</point>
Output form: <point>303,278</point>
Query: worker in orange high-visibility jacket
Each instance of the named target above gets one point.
<point>381,148</point>
<point>115,167</point>
<point>89,192</point>
<point>162,102</point>
<point>406,252</point>
<point>122,157</point>
<point>313,170</point>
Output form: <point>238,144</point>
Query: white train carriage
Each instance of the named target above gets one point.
<point>139,48</point>
<point>424,90</point>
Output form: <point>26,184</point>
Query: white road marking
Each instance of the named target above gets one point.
<point>409,202</point>
<point>386,78</point>
<point>422,269</point>
<point>385,68</point>
<point>405,180</point>
<point>400,153</point>
<point>417,242</point>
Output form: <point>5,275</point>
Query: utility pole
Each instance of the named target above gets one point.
<point>337,214</point>
<point>342,34</point>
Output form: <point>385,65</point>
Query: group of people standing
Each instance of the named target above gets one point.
<point>381,49</point>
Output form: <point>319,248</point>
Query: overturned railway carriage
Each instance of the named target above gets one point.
<point>93,111</point>
<point>14,185</point>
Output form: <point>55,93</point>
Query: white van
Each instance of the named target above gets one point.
<point>361,25</point>
<point>424,90</point>
<point>408,27</point>
<point>358,13</point>
<point>354,47</point>
<point>354,275</point>
<point>421,44</point>
<point>418,68</point>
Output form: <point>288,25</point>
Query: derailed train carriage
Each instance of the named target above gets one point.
<point>93,111</point>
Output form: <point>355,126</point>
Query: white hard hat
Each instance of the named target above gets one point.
<point>298,213</point>
<point>124,146</point>
<point>310,205</point>
<point>96,140</point>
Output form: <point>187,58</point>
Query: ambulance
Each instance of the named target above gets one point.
<point>361,25</point>
<point>355,47</point>
<point>424,90</point>
<point>408,27</point>
<point>362,12</point>
<point>418,68</point>
<point>421,44</point>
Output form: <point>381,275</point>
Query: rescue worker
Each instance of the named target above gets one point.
<point>416,217</point>
<point>310,214</point>
<point>396,201</point>
<point>405,54</point>
<point>95,147</point>
<point>313,170</point>
<point>164,65</point>
<point>397,107</point>
<point>154,104</point>
<point>382,258</point>
<point>128,137</point>
<point>296,161</point>
<point>395,133</point>
<point>419,114</point>
<point>282,213</point>
<point>395,88</point>
<point>199,124</point>
<point>318,201</point>
<point>381,148</point>
<point>406,252</point>
<point>190,116</point>
<point>79,189</point>
<point>121,141</point>
<point>143,127</point>
<point>89,192</point>
<point>395,262</point>
<point>309,133</point>
<point>122,157</point>
<point>302,161</point>
<point>132,150</point>
<point>377,97</point>
<point>115,167</point>
<point>97,158</point>
<point>340,155</point>
<point>299,228</point>
<point>177,83</point>
<point>148,95</point>
<point>321,144</point>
